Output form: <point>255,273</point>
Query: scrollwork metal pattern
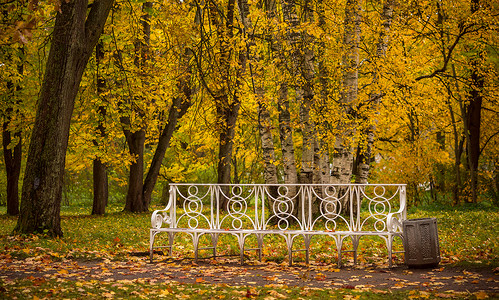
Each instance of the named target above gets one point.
<point>237,207</point>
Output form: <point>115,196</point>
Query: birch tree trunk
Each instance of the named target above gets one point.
<point>286,137</point>
<point>268,151</point>
<point>365,155</point>
<point>343,154</point>
<point>264,119</point>
<point>285,131</point>
<point>305,88</point>
<point>321,152</point>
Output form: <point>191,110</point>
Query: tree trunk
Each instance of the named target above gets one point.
<point>101,192</point>
<point>177,110</point>
<point>12,152</point>
<point>136,138</point>
<point>321,152</point>
<point>286,137</point>
<point>306,57</point>
<point>100,179</point>
<point>134,200</point>
<point>301,75</point>
<point>12,157</point>
<point>285,131</point>
<point>343,156</point>
<point>228,115</point>
<point>76,32</point>
<point>265,130</point>
<point>308,146</point>
<point>473,119</point>
<point>226,96</point>
<point>365,155</point>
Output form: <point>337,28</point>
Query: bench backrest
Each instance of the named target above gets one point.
<point>349,207</point>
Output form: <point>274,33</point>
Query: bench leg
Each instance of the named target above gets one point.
<point>152,234</point>
<point>240,239</point>
<point>259,239</point>
<point>195,241</point>
<point>355,244</point>
<point>307,239</point>
<point>339,244</point>
<point>289,242</point>
<point>171,236</point>
<point>214,242</point>
<point>389,245</point>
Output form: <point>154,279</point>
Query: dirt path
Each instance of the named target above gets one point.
<point>228,271</point>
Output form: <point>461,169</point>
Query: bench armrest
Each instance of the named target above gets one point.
<point>394,220</point>
<point>161,216</point>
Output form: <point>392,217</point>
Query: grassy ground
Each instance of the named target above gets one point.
<point>468,236</point>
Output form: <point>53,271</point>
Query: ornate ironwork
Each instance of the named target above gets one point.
<point>338,211</point>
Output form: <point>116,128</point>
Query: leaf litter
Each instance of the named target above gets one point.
<point>266,280</point>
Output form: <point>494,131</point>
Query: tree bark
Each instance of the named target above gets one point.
<point>306,57</point>
<point>473,120</point>
<point>136,138</point>
<point>365,155</point>
<point>321,152</point>
<point>474,115</point>
<point>76,32</point>
<point>101,191</point>
<point>343,156</point>
<point>100,179</point>
<point>177,110</point>
<point>12,146</point>
<point>134,200</point>
<point>268,150</point>
<point>226,95</point>
<point>286,137</point>
<point>12,158</point>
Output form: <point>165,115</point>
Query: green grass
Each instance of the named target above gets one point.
<point>466,235</point>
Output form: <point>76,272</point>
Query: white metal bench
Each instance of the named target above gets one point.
<point>303,210</point>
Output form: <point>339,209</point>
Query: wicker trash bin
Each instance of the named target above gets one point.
<point>421,243</point>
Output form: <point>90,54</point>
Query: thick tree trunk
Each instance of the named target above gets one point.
<point>134,200</point>
<point>101,191</point>
<point>228,114</point>
<point>136,138</point>
<point>76,32</point>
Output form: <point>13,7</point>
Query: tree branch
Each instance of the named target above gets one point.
<point>447,57</point>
